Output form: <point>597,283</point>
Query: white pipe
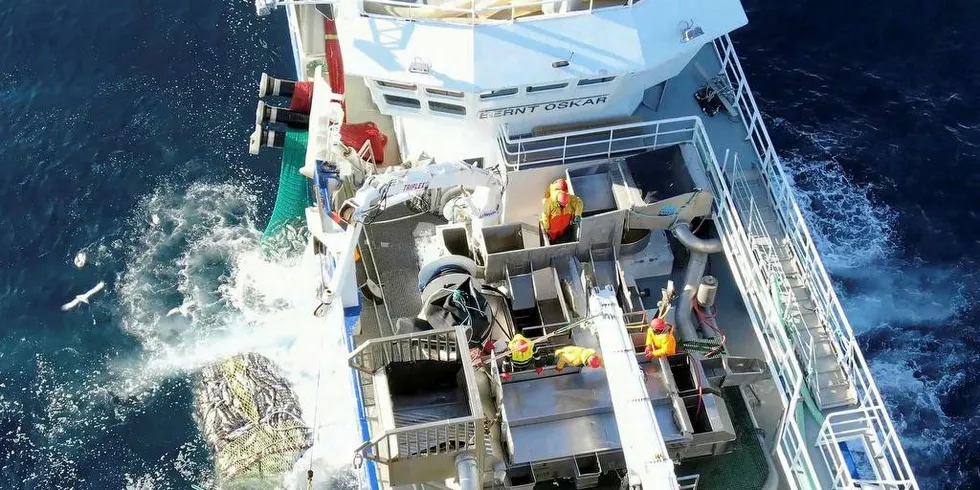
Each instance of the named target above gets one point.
<point>685,304</point>
<point>468,471</point>
<point>682,230</point>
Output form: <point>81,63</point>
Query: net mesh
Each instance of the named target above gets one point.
<point>293,196</point>
<point>251,421</point>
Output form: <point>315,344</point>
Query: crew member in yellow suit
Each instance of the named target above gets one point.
<point>577,356</point>
<point>522,356</point>
<point>660,340</point>
<point>560,210</point>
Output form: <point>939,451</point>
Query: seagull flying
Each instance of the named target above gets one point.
<point>183,309</point>
<point>83,298</point>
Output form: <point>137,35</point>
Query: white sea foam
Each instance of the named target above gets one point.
<point>205,250</point>
<point>857,241</point>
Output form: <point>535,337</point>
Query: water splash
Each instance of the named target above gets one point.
<point>204,251</point>
<point>893,304</point>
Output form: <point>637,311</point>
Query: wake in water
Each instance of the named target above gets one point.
<point>899,309</point>
<point>198,252</point>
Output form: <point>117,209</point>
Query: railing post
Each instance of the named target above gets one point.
<point>609,147</point>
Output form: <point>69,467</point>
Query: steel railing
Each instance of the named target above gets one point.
<point>426,439</point>
<point>768,249</point>
<point>456,12</point>
<point>857,426</point>
<point>594,143</point>
<point>892,465</point>
<point>749,273</point>
<point>430,438</point>
<point>375,354</point>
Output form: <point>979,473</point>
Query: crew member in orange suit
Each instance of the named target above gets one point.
<point>560,210</point>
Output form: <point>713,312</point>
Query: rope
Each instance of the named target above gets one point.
<point>675,214</point>
<point>316,415</point>
<point>558,331</point>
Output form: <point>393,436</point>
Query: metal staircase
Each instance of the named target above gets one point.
<point>814,345</point>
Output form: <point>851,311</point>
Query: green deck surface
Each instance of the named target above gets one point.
<point>745,467</point>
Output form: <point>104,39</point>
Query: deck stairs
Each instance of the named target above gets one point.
<point>814,346</point>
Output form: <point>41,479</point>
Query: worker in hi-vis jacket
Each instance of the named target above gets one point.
<point>577,356</point>
<point>560,210</point>
<point>660,340</point>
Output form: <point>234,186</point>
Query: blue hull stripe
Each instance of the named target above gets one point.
<point>350,321</point>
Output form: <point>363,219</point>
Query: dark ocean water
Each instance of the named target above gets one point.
<point>123,134</point>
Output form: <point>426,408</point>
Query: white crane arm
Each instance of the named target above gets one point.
<point>381,191</point>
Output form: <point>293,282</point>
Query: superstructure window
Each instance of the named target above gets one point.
<point>447,108</point>
<point>397,100</point>
<point>444,93</point>
<point>398,85</point>
<point>498,93</point>
<point>543,88</point>
<point>595,81</point>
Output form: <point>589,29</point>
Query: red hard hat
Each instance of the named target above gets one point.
<point>561,185</point>
<point>562,198</point>
<point>522,346</point>
<point>594,361</point>
<point>658,325</point>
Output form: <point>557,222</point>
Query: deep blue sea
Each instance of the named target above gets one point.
<point>123,130</point>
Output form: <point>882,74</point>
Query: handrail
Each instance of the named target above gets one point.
<point>607,140</point>
<point>829,308</point>
<point>449,12</point>
<point>375,354</point>
<point>438,437</point>
<point>750,280</point>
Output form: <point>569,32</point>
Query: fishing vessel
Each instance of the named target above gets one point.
<point>421,143</point>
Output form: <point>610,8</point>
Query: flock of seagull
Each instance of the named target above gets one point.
<point>82,258</point>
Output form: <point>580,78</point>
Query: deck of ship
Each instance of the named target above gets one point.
<point>393,262</point>
<point>730,141</point>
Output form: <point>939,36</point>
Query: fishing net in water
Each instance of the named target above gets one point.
<point>293,194</point>
<point>251,421</point>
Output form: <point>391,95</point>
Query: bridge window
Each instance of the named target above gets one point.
<point>398,85</point>
<point>543,88</point>
<point>447,108</point>
<point>498,93</point>
<point>400,101</point>
<point>595,81</point>
<point>444,93</point>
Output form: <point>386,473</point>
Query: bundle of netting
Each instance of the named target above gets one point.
<point>251,420</point>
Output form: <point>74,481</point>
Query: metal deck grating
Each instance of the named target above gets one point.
<point>745,467</point>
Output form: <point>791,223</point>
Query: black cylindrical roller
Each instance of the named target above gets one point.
<point>265,137</point>
<point>274,86</point>
<point>266,113</point>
